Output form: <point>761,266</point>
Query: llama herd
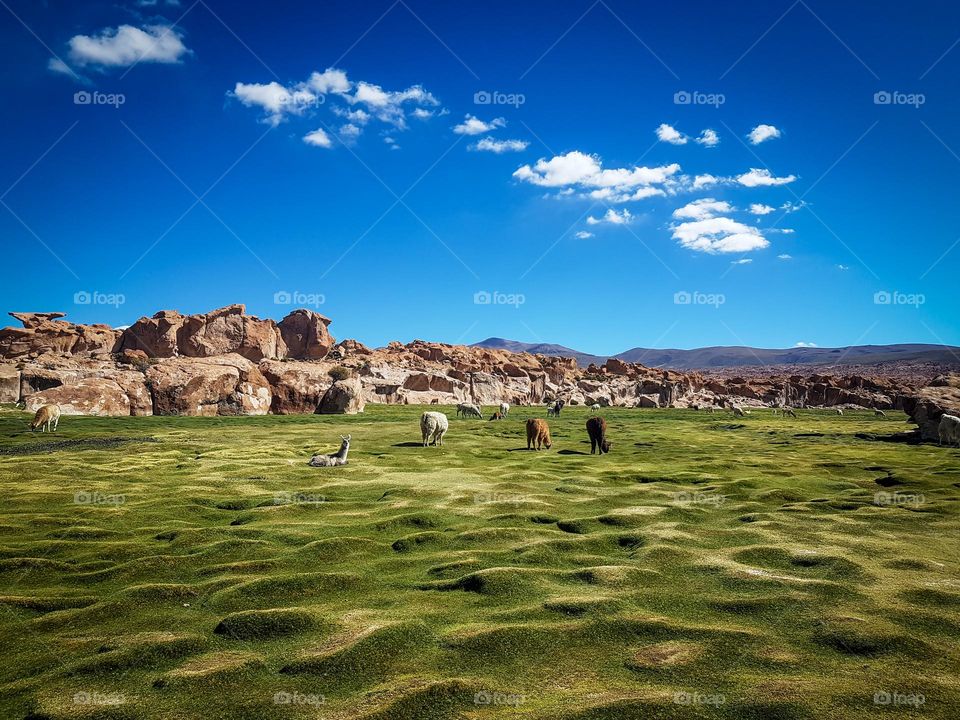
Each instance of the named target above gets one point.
<point>434,425</point>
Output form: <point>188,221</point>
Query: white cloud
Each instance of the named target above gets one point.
<point>391,142</point>
<point>329,81</point>
<point>584,172</point>
<point>708,138</point>
<point>422,113</point>
<point>762,133</point>
<point>669,134</point>
<point>703,209</point>
<point>127,45</point>
<point>719,235</point>
<point>583,235</point>
<point>843,267</point>
<point>760,177</point>
<point>350,131</point>
<point>364,100</point>
<point>275,99</point>
<point>489,144</point>
<point>760,209</point>
<point>613,217</point>
<point>318,138</point>
<point>805,344</point>
<point>705,181</point>
<point>475,126</point>
<point>742,261</point>
<point>792,207</point>
<point>784,256</point>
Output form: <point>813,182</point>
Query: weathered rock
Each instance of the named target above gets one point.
<point>305,334</point>
<point>344,397</point>
<point>44,332</point>
<point>223,385</point>
<point>89,396</point>
<point>9,384</point>
<point>928,405</point>
<point>219,332</point>
<point>297,387</point>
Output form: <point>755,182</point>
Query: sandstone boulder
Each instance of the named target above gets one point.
<point>297,387</point>
<point>219,332</point>
<point>344,397</point>
<point>222,385</point>
<point>927,405</point>
<point>45,332</point>
<point>305,334</point>
<point>9,383</point>
<point>89,396</point>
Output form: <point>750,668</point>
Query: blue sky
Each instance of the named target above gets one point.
<point>606,174</point>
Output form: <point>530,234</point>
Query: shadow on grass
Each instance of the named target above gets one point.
<point>409,444</point>
<point>571,452</point>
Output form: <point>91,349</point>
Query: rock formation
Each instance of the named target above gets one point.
<point>226,362</point>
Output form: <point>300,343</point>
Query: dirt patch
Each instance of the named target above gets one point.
<point>80,444</point>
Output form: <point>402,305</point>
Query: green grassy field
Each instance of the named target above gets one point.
<point>709,566</point>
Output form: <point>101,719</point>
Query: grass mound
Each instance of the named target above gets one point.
<point>265,624</point>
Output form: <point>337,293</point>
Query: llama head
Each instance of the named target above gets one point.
<point>346,440</point>
<point>605,446</point>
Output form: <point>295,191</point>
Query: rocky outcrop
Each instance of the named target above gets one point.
<point>89,396</point>
<point>297,387</point>
<point>928,405</point>
<point>9,383</point>
<point>226,330</point>
<point>46,333</point>
<point>306,336</point>
<point>223,385</point>
<point>344,397</point>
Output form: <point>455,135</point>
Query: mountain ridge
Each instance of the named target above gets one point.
<point>728,356</point>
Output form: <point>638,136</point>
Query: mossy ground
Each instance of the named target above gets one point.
<point>199,567</point>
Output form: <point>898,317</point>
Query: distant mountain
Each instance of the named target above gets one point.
<point>583,359</point>
<point>739,356</point>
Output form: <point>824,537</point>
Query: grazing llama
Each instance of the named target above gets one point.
<point>538,434</point>
<point>504,409</point>
<point>839,411</point>
<point>497,416</point>
<point>433,426</point>
<point>597,431</point>
<point>877,412</point>
<point>46,415</point>
<point>338,458</point>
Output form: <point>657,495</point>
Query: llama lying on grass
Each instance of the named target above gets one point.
<point>46,415</point>
<point>595,407</point>
<point>338,458</point>
<point>538,434</point>
<point>433,426</point>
